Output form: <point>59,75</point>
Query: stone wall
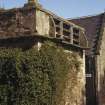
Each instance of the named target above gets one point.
<point>74,93</point>
<point>25,21</point>
<point>42,23</point>
<point>100,67</point>
<point>17,22</point>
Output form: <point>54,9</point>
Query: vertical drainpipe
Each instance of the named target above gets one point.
<point>84,76</point>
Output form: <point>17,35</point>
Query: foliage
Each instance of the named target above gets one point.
<point>34,77</point>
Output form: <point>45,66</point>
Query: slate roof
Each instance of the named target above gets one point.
<point>92,25</point>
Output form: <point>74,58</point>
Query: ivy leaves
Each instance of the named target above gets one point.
<point>34,77</point>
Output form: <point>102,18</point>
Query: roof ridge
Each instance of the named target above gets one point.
<point>82,17</point>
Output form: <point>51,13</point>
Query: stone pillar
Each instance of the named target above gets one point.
<point>61,29</point>
<point>71,36</point>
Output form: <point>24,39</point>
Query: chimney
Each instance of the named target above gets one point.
<point>32,1</point>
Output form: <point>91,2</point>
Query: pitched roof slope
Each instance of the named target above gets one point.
<point>91,25</point>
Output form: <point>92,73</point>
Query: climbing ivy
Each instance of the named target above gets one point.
<point>34,77</point>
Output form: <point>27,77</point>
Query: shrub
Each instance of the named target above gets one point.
<point>34,77</point>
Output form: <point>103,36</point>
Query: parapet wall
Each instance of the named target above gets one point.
<point>16,22</point>
<point>32,20</point>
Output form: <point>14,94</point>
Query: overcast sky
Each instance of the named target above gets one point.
<point>64,8</point>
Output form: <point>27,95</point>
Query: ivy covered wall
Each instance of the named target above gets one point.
<point>41,77</point>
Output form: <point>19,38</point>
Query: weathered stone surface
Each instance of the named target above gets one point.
<point>42,23</point>
<point>74,92</point>
<point>100,67</point>
<point>101,73</point>
<point>17,22</point>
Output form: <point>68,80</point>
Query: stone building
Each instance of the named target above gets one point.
<point>95,57</point>
<point>31,25</point>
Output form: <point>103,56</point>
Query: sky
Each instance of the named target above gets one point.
<point>64,8</point>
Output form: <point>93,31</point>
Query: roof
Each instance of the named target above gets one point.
<point>91,25</point>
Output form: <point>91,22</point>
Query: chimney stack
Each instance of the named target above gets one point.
<point>33,1</point>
